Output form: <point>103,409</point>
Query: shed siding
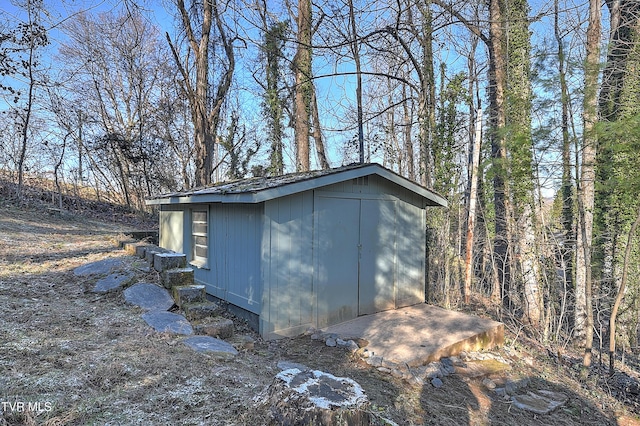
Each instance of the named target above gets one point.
<point>172,229</point>
<point>288,269</point>
<point>233,272</point>
<point>410,246</point>
<point>313,258</point>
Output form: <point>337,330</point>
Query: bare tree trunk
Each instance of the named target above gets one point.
<point>317,132</point>
<point>356,58</point>
<point>303,88</point>
<point>471,218</point>
<point>29,108</point>
<point>408,140</point>
<point>427,103</point>
<point>497,118</point>
<point>586,188</point>
<point>620,294</point>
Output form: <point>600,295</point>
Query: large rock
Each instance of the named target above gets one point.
<point>148,296</point>
<point>101,267</point>
<point>312,397</point>
<point>112,282</point>
<point>167,322</point>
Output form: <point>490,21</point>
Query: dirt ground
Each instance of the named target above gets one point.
<point>69,356</point>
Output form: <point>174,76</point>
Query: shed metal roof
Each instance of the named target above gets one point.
<point>259,189</point>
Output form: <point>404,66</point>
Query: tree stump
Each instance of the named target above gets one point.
<point>312,397</point>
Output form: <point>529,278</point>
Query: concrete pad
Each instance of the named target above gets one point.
<point>210,344</point>
<point>112,282</point>
<point>148,296</point>
<point>167,322</point>
<point>420,334</point>
<point>101,267</point>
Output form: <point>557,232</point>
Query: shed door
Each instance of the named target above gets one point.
<point>337,267</point>
<point>377,256</point>
<point>355,259</point>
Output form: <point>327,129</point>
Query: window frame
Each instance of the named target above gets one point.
<point>197,237</point>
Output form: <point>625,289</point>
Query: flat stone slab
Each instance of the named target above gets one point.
<point>148,296</point>
<point>167,322</point>
<point>420,334</point>
<point>101,267</point>
<point>112,282</point>
<point>210,344</point>
<point>540,401</point>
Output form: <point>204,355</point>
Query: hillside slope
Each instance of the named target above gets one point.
<point>89,358</point>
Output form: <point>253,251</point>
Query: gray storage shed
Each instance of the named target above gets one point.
<point>304,250</point>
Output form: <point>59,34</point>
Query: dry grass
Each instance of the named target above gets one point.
<point>91,359</point>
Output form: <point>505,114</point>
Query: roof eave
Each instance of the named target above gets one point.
<point>432,198</point>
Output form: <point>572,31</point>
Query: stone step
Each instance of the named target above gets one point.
<point>164,261</point>
<point>141,250</point>
<point>194,293</point>
<point>219,327</point>
<point>201,310</point>
<point>150,252</point>
<point>129,246</point>
<point>177,277</point>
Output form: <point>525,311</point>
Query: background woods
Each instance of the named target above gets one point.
<point>524,115</point>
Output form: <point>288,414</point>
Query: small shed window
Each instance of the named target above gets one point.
<point>200,237</point>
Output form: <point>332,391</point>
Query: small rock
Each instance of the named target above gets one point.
<point>447,362</point>
<point>501,392</point>
<point>384,370</point>
<point>512,387</point>
<point>331,342</point>
<point>375,361</point>
<point>489,384</point>
<point>447,367</point>
<point>432,370</point>
<point>341,343</point>
<point>397,373</point>
<point>352,346</point>
<point>457,362</point>
<point>287,365</point>
<point>243,341</point>
<point>436,383</point>
<point>317,336</point>
<point>390,364</point>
